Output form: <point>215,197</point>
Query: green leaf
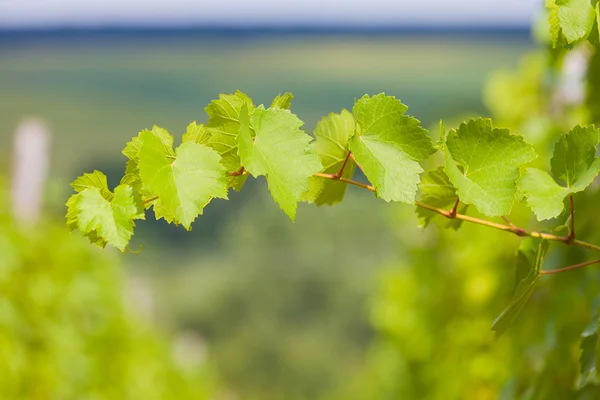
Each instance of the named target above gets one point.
<point>132,148</point>
<point>104,217</point>
<point>574,162</point>
<point>389,146</point>
<point>598,19</point>
<point>553,22</point>
<point>224,126</point>
<point>271,144</point>
<point>574,18</point>
<point>112,221</point>
<point>71,216</point>
<point>197,134</point>
<point>483,164</point>
<point>132,172</point>
<point>132,176</point>
<point>332,135</point>
<point>543,194</point>
<point>530,255</point>
<point>94,180</point>
<point>283,101</point>
<point>184,181</point>
<point>436,190</point>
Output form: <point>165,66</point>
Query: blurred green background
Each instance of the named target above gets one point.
<point>350,302</point>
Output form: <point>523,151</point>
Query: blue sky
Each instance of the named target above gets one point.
<point>148,13</point>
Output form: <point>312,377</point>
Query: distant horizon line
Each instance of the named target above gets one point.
<point>274,27</point>
<point>261,30</point>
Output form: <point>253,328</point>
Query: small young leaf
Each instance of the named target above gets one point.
<point>530,255</point>
<point>184,181</point>
<point>389,146</point>
<point>574,18</point>
<point>332,135</point>
<point>483,164</point>
<point>574,162</point>
<point>224,126</point>
<point>283,101</point>
<point>94,180</point>
<point>271,144</point>
<point>437,191</point>
<point>543,194</point>
<point>112,221</point>
<point>197,134</point>
<point>104,217</point>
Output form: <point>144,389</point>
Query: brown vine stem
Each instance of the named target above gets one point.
<point>356,162</point>
<point>342,179</point>
<point>507,228</point>
<point>239,172</point>
<point>150,200</point>
<point>569,268</point>
<point>452,213</point>
<point>338,174</point>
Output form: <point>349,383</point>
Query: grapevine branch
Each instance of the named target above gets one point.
<point>568,240</point>
<point>569,268</point>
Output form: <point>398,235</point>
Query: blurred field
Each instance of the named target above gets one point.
<point>97,93</point>
<point>284,308</point>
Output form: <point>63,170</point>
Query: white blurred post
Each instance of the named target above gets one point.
<point>31,153</point>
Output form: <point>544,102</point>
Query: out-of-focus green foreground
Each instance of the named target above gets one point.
<point>65,330</point>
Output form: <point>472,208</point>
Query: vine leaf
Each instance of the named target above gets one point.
<point>224,126</point>
<point>574,163</point>
<point>94,180</point>
<point>574,18</point>
<point>483,164</point>
<point>389,146</point>
<point>196,133</point>
<point>543,195</point>
<point>101,215</point>
<point>184,181</point>
<point>271,144</point>
<point>283,101</point>
<point>530,255</point>
<point>132,152</point>
<point>437,190</point>
<point>332,135</point>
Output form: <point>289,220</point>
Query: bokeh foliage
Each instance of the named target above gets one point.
<point>67,331</point>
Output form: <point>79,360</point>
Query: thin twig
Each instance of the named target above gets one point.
<point>237,173</point>
<point>338,174</point>
<point>346,180</point>
<point>507,228</point>
<point>356,162</point>
<point>569,268</point>
<point>508,222</point>
<point>452,213</point>
<point>149,200</point>
<point>518,231</point>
